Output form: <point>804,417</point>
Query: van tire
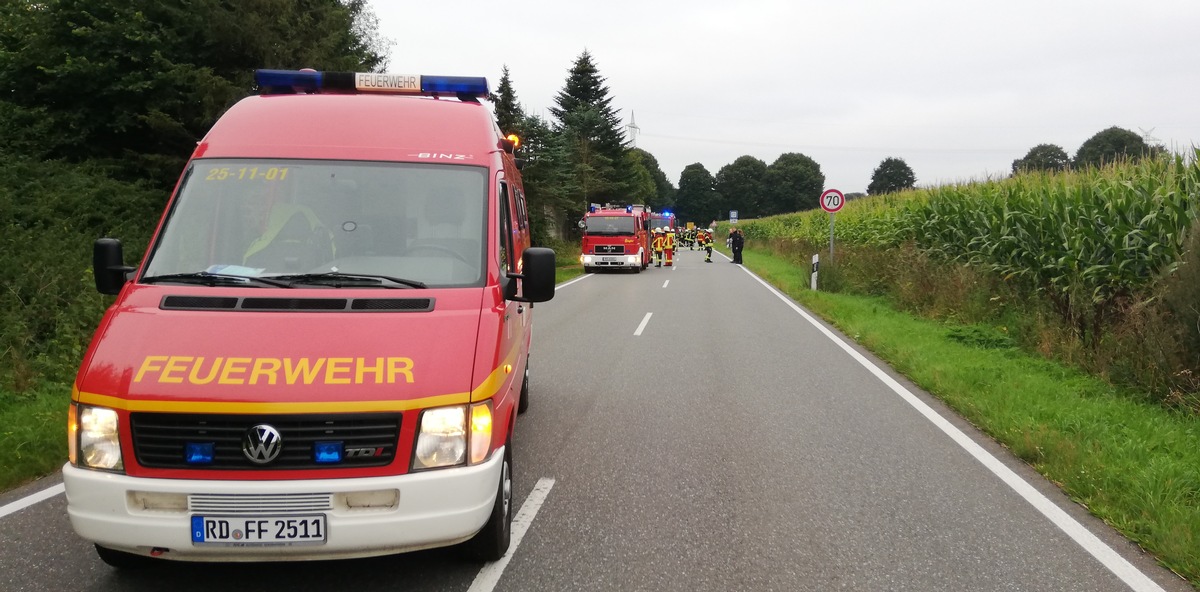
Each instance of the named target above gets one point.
<point>491,543</point>
<point>523,404</point>
<point>123,560</point>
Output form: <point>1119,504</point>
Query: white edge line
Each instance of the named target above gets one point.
<point>1109,558</point>
<point>642,326</point>
<point>578,279</point>
<point>666,282</point>
<point>31,499</point>
<point>489,574</point>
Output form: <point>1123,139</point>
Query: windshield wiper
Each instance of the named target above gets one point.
<point>214,279</point>
<point>346,280</point>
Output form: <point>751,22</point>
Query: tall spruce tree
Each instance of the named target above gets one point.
<point>509,115</point>
<point>585,114</point>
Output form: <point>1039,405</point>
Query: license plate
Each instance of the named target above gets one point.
<point>607,259</point>
<point>252,531</point>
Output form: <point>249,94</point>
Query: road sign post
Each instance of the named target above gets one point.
<point>832,201</point>
<point>733,215</point>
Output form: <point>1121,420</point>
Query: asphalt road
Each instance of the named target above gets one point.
<point>723,443</point>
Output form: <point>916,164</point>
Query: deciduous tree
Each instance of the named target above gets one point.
<point>697,199</point>
<point>741,183</point>
<point>1043,157</point>
<point>1110,145</point>
<point>793,183</point>
<point>892,175</point>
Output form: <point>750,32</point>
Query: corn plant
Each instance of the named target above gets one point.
<point>1086,240</point>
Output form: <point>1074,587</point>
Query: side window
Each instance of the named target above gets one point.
<point>506,247</point>
<point>522,212</point>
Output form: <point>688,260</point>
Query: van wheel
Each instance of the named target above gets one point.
<point>523,405</point>
<point>123,560</point>
<point>491,543</point>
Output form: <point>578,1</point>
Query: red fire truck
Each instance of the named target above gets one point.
<point>615,237</point>
<point>324,350</point>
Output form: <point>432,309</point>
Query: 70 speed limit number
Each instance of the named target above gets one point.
<point>832,200</point>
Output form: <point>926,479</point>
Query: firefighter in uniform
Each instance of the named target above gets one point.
<point>657,245</point>
<point>706,242</point>
<point>669,245</point>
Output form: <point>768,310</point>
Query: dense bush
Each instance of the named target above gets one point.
<point>49,306</point>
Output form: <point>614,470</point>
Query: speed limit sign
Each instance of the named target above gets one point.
<point>832,200</point>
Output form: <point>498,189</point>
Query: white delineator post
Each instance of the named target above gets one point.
<point>816,262</point>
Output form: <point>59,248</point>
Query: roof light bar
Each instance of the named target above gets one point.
<point>310,81</point>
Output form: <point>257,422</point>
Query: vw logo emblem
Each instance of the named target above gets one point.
<point>262,444</point>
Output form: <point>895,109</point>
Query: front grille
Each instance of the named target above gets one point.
<point>610,249</point>
<point>227,503</point>
<point>159,439</point>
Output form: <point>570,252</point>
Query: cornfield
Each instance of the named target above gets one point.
<point>1086,240</point>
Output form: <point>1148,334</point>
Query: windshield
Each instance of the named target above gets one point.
<point>610,224</point>
<point>264,218</point>
<point>659,221</point>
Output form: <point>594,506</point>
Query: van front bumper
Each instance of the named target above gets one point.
<point>433,509</point>
<point>609,261</point>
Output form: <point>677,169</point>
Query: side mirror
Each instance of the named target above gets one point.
<point>108,266</point>
<point>537,276</point>
<point>582,224</point>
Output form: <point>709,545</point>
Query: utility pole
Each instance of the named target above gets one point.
<point>632,131</point>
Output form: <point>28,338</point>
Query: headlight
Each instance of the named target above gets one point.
<point>442,441</point>
<point>99,445</point>
<point>445,436</point>
<point>586,259</point>
<point>632,259</point>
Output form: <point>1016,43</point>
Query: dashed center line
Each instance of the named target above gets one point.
<point>642,326</point>
<point>666,282</point>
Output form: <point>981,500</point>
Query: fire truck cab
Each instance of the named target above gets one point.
<point>615,237</point>
<point>325,348</point>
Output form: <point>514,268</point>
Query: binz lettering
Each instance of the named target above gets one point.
<point>443,156</point>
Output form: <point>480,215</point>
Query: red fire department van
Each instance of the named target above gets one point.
<point>615,238</point>
<point>325,348</point>
<point>663,220</point>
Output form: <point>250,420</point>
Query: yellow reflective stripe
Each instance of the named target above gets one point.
<point>169,406</point>
<point>490,386</point>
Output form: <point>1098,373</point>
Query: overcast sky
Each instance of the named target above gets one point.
<point>957,88</point>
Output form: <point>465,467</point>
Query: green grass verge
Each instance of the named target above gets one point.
<point>563,274</point>
<point>33,433</point>
<point>1131,462</point>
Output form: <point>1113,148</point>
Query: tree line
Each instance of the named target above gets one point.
<point>102,102</point>
<point>1105,147</point>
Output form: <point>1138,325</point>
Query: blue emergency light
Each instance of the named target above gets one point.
<point>629,209</point>
<point>311,81</point>
<point>592,209</point>
<point>327,452</point>
<point>198,453</point>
